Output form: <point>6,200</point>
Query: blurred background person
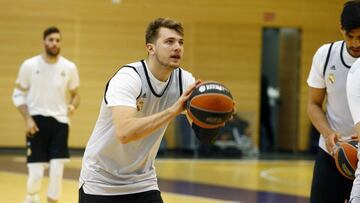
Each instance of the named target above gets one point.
<point>40,96</point>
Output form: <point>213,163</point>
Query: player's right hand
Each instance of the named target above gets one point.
<point>31,127</point>
<point>330,142</point>
<point>179,106</point>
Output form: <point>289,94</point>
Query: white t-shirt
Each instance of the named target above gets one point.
<point>112,168</point>
<point>47,85</point>
<point>334,80</point>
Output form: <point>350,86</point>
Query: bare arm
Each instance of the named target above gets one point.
<point>19,99</point>
<point>317,116</point>
<point>31,127</point>
<point>357,129</point>
<point>74,101</point>
<point>129,128</point>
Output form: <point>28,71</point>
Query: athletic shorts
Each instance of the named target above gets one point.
<point>50,142</point>
<point>152,196</point>
<point>328,185</point>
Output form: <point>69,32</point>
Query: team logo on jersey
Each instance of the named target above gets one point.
<point>331,78</point>
<point>63,74</point>
<point>37,72</point>
<point>140,102</point>
<point>333,67</point>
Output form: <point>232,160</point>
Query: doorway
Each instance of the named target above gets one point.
<point>280,89</point>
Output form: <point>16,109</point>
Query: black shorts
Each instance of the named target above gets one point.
<point>152,196</point>
<point>328,185</point>
<point>50,142</point>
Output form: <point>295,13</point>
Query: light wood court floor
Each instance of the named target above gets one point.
<point>188,180</point>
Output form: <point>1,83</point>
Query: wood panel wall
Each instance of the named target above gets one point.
<point>222,42</point>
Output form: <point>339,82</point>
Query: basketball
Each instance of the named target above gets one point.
<point>346,158</point>
<point>210,105</point>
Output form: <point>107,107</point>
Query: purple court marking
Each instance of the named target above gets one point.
<point>186,188</point>
<point>227,193</point>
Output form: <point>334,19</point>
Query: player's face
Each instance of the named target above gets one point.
<point>352,40</point>
<point>168,48</point>
<point>52,44</point>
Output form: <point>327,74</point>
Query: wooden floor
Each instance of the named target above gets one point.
<point>189,180</point>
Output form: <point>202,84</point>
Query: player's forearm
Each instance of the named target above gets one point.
<point>23,109</point>
<point>319,120</point>
<point>74,100</point>
<point>357,130</point>
<point>132,129</point>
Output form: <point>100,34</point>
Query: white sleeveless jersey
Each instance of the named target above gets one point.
<point>353,91</point>
<point>333,77</point>
<point>47,85</point>
<point>112,168</point>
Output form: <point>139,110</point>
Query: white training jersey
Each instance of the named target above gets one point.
<point>353,91</point>
<point>112,168</point>
<point>47,84</point>
<point>333,77</point>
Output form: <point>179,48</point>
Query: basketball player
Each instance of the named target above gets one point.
<point>139,102</point>
<point>353,93</point>
<point>327,78</point>
<point>40,96</point>
<point>353,84</point>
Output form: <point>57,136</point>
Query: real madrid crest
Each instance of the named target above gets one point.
<point>331,78</point>
<point>140,102</point>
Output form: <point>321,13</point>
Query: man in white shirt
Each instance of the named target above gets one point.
<point>327,79</point>
<point>139,102</point>
<point>40,96</point>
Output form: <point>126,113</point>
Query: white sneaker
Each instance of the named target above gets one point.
<point>32,199</point>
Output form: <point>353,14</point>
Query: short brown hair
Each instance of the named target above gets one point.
<point>50,30</point>
<point>154,27</point>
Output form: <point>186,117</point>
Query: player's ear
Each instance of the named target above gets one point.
<point>150,48</point>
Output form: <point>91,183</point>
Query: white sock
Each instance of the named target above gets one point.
<point>36,174</point>
<point>32,199</point>
<point>56,171</point>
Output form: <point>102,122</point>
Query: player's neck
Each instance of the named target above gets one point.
<point>50,59</point>
<point>159,71</point>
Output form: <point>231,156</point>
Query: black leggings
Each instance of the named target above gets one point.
<point>152,196</point>
<point>328,185</point>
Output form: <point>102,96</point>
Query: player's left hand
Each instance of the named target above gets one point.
<point>354,136</point>
<point>71,109</point>
<point>233,112</point>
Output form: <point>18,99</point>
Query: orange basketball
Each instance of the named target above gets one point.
<point>210,105</point>
<point>346,158</point>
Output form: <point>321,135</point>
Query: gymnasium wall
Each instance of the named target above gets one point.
<point>222,42</point>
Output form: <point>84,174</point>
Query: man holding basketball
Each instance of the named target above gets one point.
<point>139,102</point>
<point>352,88</point>
<point>327,79</point>
<point>353,93</point>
